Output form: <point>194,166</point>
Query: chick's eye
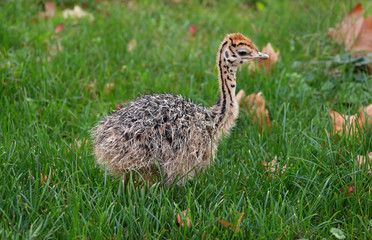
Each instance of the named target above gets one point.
<point>243,53</point>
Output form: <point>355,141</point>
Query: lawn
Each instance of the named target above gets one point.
<point>54,87</point>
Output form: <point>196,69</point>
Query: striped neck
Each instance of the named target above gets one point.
<point>227,82</point>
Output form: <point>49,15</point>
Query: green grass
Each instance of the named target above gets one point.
<point>50,186</point>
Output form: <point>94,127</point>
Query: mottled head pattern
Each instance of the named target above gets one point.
<point>237,49</point>
<point>178,134</point>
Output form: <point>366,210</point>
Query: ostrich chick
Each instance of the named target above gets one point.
<point>178,134</point>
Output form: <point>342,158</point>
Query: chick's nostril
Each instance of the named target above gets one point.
<point>263,55</point>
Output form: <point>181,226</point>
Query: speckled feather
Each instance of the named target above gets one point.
<point>164,128</point>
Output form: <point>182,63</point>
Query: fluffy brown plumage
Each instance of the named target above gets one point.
<point>178,134</point>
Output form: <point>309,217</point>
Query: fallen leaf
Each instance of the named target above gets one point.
<point>109,87</point>
<point>180,219</point>
<point>273,58</point>
<point>60,28</point>
<point>77,12</point>
<point>92,89</point>
<point>351,124</point>
<point>354,31</point>
<point>268,64</point>
<point>341,122</point>
<point>49,10</point>
<point>132,45</point>
<point>226,224</point>
<point>362,162</point>
<point>192,30</point>
<point>256,105</point>
<point>273,167</point>
<point>232,227</point>
<point>366,115</point>
<point>240,96</point>
<point>348,30</point>
<point>364,40</point>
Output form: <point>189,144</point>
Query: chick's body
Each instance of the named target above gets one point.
<point>178,134</point>
<point>165,128</point>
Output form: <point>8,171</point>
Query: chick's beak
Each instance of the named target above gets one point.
<point>261,55</point>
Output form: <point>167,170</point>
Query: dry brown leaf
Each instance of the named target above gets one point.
<point>240,96</point>
<point>351,124</point>
<point>268,64</point>
<point>60,28</point>
<point>49,10</point>
<point>273,57</point>
<point>256,105</point>
<point>255,100</point>
<point>273,167</point>
<point>118,105</point>
<point>230,226</point>
<point>354,31</point>
<point>348,30</point>
<point>226,224</point>
<point>109,87</point>
<point>92,89</point>
<point>364,40</point>
<point>180,219</point>
<point>132,45</point>
<point>366,115</point>
<point>77,12</point>
<point>341,122</point>
<point>363,162</point>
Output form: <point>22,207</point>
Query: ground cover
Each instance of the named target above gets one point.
<point>60,76</point>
